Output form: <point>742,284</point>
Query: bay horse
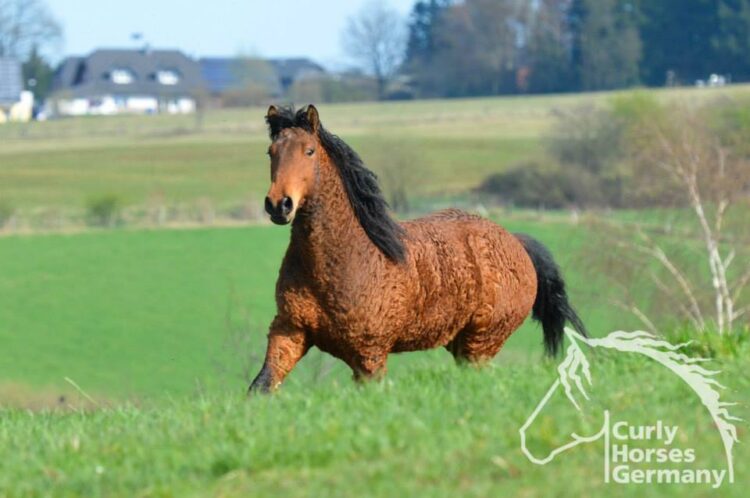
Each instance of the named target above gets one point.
<point>359,285</point>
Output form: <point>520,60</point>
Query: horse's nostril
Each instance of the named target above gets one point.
<point>269,205</point>
<point>286,205</point>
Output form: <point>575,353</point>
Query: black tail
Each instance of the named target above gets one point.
<point>551,307</point>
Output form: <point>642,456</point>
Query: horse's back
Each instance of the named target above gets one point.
<point>471,270</point>
<point>453,226</point>
<point>460,237</point>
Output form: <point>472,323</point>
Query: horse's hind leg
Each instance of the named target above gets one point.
<point>371,366</point>
<point>478,343</point>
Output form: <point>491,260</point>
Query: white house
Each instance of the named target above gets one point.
<point>114,81</point>
<point>15,103</point>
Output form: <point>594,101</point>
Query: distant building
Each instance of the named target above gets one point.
<point>114,81</point>
<point>224,74</point>
<point>292,70</point>
<point>15,103</point>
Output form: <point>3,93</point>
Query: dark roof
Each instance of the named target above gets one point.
<point>290,70</point>
<point>221,74</point>
<point>218,74</point>
<point>11,80</point>
<point>90,75</point>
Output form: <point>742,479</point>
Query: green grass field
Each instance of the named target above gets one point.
<point>141,313</point>
<point>163,328</point>
<point>431,431</point>
<point>125,353</point>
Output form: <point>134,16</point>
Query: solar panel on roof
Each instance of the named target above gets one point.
<point>218,73</point>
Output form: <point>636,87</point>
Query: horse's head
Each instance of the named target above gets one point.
<point>307,161</point>
<point>295,154</point>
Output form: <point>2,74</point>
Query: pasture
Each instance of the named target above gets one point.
<point>141,313</point>
<point>125,353</point>
<point>444,147</point>
<point>433,430</point>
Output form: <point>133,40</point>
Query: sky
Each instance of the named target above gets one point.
<point>269,28</point>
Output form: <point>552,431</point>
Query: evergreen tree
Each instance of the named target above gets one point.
<point>37,75</point>
<point>606,46</point>
<point>549,48</point>
<point>677,39</point>
<point>423,22</point>
<point>422,43</point>
<point>732,42</point>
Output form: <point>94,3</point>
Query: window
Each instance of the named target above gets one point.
<point>122,76</point>
<point>167,77</point>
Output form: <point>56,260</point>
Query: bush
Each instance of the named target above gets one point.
<point>533,186</point>
<point>730,119</point>
<point>588,137</point>
<point>104,210</point>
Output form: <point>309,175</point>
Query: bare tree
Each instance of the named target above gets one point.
<point>679,157</point>
<point>25,24</point>
<point>376,38</point>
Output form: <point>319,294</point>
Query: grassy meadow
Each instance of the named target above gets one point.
<point>142,313</point>
<point>434,430</point>
<point>445,147</point>
<point>125,353</point>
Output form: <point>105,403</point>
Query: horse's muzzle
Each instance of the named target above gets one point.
<point>281,211</point>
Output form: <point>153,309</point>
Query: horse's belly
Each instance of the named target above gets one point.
<point>425,339</point>
<point>406,328</point>
<point>434,327</point>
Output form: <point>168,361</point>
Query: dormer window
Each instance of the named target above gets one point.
<point>167,77</point>
<point>122,76</point>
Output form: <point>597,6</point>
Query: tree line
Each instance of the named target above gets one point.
<point>457,48</point>
<point>454,48</point>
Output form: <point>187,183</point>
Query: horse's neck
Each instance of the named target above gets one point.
<point>328,237</point>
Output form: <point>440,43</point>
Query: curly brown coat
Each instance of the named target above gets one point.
<point>359,285</point>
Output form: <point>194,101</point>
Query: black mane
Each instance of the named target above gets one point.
<point>361,184</point>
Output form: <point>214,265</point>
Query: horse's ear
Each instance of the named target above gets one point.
<point>272,111</point>
<point>313,118</point>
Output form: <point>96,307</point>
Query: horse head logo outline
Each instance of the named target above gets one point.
<point>573,373</point>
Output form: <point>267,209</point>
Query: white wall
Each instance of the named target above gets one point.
<point>142,105</point>
<point>71,107</point>
<point>21,111</point>
<point>109,105</point>
<point>180,106</point>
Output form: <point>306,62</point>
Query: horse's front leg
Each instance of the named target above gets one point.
<point>285,348</point>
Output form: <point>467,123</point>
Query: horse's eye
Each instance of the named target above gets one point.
<point>310,152</point>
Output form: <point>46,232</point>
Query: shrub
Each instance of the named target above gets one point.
<point>554,187</point>
<point>588,137</point>
<point>730,119</point>
<point>104,210</point>
<point>589,143</point>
